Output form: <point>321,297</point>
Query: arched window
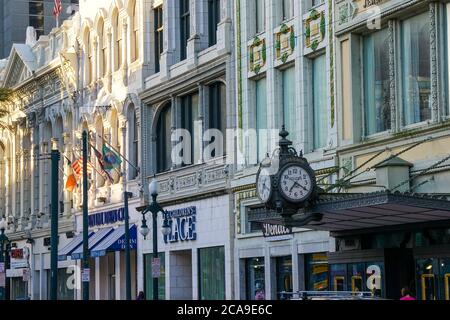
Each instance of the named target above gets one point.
<point>135,34</point>
<point>133,142</point>
<point>89,57</point>
<point>118,41</point>
<point>163,140</point>
<point>103,42</point>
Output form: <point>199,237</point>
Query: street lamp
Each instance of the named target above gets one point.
<point>166,229</point>
<point>4,253</point>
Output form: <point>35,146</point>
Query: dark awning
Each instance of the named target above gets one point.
<point>346,212</point>
<point>115,241</point>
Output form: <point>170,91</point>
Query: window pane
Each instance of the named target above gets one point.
<point>261,117</point>
<point>416,69</point>
<point>317,272</point>
<point>284,275</point>
<point>376,82</point>
<point>213,20</point>
<point>260,6</point>
<point>255,279</point>
<point>149,277</point>
<point>320,102</point>
<point>184,27</point>
<point>288,9</point>
<point>163,142</point>
<point>289,107</point>
<point>211,273</point>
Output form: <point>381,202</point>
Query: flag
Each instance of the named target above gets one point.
<point>111,160</point>
<point>71,182</point>
<point>77,167</point>
<point>99,156</point>
<point>57,9</point>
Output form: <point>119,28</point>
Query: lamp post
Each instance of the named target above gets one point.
<point>3,254</point>
<point>55,157</point>
<point>154,208</point>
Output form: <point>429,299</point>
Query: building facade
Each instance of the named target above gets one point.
<point>187,100</point>
<point>84,75</point>
<point>16,16</point>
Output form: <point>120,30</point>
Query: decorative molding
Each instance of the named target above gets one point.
<point>392,80</point>
<point>258,55</point>
<point>435,116</point>
<point>315,28</point>
<point>284,43</point>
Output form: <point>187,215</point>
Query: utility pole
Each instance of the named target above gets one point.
<point>85,277</point>
<point>127,195</point>
<point>55,157</point>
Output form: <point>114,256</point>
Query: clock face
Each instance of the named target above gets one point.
<point>264,185</point>
<point>295,183</point>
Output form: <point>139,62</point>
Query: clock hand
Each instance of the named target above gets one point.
<point>296,183</point>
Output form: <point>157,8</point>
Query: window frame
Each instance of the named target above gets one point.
<point>158,26</point>
<point>185,27</point>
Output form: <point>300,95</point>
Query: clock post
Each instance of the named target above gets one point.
<point>286,183</point>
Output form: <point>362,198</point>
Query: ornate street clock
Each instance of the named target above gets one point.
<point>286,182</point>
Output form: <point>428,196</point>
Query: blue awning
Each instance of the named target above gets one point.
<point>115,241</point>
<point>69,248</point>
<point>93,241</point>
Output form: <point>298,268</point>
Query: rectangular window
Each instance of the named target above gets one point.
<point>447,59</point>
<point>148,277</point>
<point>164,142</point>
<point>211,270</point>
<point>213,20</point>
<point>288,100</point>
<point>316,272</point>
<point>184,28</point>
<point>255,279</point>
<point>320,106</point>
<point>287,9</point>
<point>284,275</point>
<point>261,118</point>
<point>415,42</point>
<point>260,14</point>
<point>159,31</point>
<point>217,114</point>
<point>189,121</point>
<point>376,82</point>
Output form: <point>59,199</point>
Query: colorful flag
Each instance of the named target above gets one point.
<point>71,182</point>
<point>77,167</point>
<point>102,164</point>
<point>57,9</point>
<point>111,160</point>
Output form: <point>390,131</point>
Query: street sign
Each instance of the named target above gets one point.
<point>156,267</point>
<point>86,275</point>
<point>26,275</point>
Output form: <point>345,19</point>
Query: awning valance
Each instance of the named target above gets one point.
<point>93,241</point>
<point>115,241</point>
<point>71,246</point>
<point>345,212</point>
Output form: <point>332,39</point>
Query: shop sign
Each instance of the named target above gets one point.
<point>86,275</point>
<point>183,225</point>
<point>274,232</point>
<point>17,253</point>
<point>156,267</point>
<point>108,217</point>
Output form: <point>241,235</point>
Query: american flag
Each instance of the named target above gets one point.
<point>57,8</point>
<point>77,167</point>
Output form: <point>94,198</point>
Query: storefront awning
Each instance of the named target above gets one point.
<point>69,248</point>
<point>347,212</point>
<point>115,241</point>
<point>93,241</point>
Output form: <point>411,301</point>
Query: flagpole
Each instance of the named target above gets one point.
<point>123,157</point>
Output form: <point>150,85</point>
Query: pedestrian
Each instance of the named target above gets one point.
<point>406,294</point>
<point>141,296</point>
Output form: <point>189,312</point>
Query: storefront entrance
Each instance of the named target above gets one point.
<point>433,278</point>
<point>284,276</point>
